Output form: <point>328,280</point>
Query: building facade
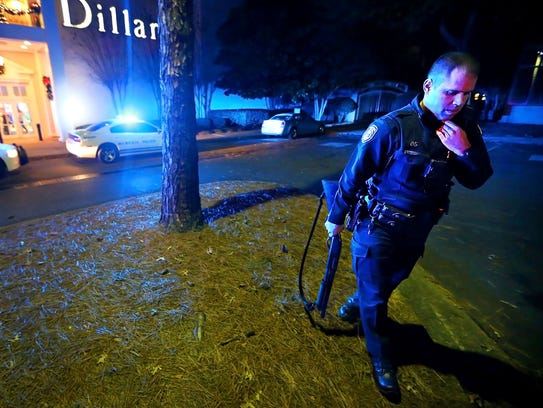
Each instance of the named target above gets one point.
<point>65,63</point>
<point>30,59</point>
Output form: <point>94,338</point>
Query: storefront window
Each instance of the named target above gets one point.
<point>8,122</point>
<point>22,12</point>
<point>25,122</point>
<point>16,119</point>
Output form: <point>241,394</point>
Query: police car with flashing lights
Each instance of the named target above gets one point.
<point>12,157</point>
<point>110,139</point>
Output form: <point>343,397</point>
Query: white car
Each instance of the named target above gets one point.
<point>12,157</point>
<point>111,139</point>
<point>292,125</point>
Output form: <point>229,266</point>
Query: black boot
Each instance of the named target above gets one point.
<point>384,374</point>
<point>350,311</point>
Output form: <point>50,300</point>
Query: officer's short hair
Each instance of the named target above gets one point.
<point>447,62</point>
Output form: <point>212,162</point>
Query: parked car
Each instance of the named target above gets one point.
<point>111,139</point>
<point>12,157</point>
<point>292,125</point>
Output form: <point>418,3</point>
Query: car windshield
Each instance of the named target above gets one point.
<point>282,116</point>
<point>99,125</point>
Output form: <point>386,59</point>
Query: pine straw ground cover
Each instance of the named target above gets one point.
<point>99,308</point>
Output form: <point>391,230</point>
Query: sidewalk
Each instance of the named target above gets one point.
<point>512,129</point>
<point>48,148</point>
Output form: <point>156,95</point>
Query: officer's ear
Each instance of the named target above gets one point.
<point>427,85</point>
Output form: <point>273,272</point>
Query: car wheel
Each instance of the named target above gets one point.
<point>293,133</point>
<point>108,153</point>
<point>3,169</point>
<point>23,156</point>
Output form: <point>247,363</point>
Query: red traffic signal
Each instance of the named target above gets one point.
<point>48,88</point>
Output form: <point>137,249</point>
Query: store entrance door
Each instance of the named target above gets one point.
<point>17,121</point>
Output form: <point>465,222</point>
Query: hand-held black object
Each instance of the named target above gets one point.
<point>334,252</point>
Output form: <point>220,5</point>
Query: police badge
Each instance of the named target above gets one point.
<point>369,133</point>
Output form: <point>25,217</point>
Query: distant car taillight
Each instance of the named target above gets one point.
<point>75,138</point>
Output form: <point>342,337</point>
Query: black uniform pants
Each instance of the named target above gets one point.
<point>382,259</point>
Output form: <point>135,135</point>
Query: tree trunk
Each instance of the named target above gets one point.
<point>181,207</point>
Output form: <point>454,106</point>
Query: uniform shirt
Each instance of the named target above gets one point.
<point>400,161</point>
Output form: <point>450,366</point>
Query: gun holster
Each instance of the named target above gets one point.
<point>357,213</point>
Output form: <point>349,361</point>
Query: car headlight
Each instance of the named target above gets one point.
<point>12,153</point>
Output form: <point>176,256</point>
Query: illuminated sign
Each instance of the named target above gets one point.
<point>119,20</point>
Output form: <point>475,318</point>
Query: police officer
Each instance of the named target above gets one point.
<point>399,176</point>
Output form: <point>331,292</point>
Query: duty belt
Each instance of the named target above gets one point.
<point>392,212</point>
<point>398,220</point>
<point>390,215</point>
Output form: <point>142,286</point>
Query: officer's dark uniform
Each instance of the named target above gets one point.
<point>403,172</point>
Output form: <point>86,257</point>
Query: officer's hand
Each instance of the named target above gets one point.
<point>453,137</point>
<point>333,229</point>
